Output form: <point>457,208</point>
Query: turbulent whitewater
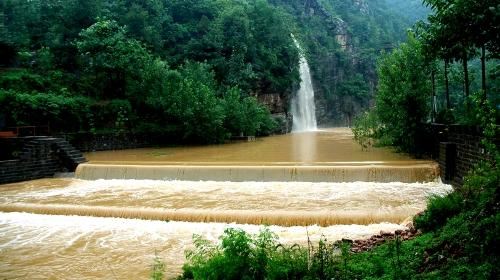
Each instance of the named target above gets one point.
<point>277,203</point>
<point>109,221</point>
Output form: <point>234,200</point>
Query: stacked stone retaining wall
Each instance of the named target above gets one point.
<point>460,150</point>
<point>36,157</point>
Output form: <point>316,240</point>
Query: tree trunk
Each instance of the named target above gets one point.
<point>433,79</point>
<point>466,76</point>
<point>483,70</point>
<point>447,83</point>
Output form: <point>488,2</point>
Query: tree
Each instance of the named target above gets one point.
<point>113,62</point>
<point>186,99</point>
<point>470,24</point>
<point>402,95</point>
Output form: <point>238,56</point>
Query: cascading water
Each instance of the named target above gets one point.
<point>111,219</point>
<point>303,108</point>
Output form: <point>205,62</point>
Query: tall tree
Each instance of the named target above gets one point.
<point>401,102</point>
<point>471,24</point>
<point>113,62</point>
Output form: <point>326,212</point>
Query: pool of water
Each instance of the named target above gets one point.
<point>328,146</point>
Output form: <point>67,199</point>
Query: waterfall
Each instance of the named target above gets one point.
<point>303,109</point>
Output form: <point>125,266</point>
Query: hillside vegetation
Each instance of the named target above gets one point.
<point>190,70</point>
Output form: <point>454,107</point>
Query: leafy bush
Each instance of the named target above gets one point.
<point>114,115</point>
<point>23,80</point>
<point>59,111</point>
<point>465,223</point>
<point>239,256</point>
<point>365,129</point>
<point>157,269</point>
<point>243,256</point>
<point>439,210</point>
<point>400,103</point>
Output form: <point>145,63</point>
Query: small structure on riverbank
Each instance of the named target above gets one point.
<point>34,157</point>
<point>459,148</point>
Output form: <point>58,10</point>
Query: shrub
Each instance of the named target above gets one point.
<point>239,256</point>
<point>246,115</point>
<point>439,210</point>
<point>157,269</point>
<point>243,256</point>
<point>62,112</point>
<point>365,129</point>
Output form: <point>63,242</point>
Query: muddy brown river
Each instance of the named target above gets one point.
<point>93,228</point>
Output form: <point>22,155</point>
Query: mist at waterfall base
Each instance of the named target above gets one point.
<point>93,228</point>
<point>302,107</point>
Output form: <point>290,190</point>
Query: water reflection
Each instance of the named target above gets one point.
<point>304,147</point>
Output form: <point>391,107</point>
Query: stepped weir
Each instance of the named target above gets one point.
<point>420,172</point>
<point>122,206</point>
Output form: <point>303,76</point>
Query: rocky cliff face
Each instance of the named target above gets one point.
<point>278,106</point>
<point>342,39</point>
<point>337,69</point>
<point>274,102</point>
<point>361,5</point>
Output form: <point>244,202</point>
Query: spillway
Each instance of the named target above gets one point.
<point>276,203</point>
<point>123,206</point>
<point>423,172</point>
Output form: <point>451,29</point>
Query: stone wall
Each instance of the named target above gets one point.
<point>88,142</point>
<point>459,151</point>
<point>34,161</point>
<point>36,157</point>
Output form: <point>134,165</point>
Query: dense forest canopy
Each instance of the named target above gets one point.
<point>163,66</point>
<point>175,67</point>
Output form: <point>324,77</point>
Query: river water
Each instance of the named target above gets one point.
<point>319,147</point>
<point>69,228</point>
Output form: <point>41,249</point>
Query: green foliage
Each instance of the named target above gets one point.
<point>461,20</point>
<point>402,97</point>
<point>149,66</point>
<point>43,108</point>
<point>235,112</point>
<point>439,210</point>
<point>365,129</point>
<point>113,62</point>
<point>457,31</point>
<point>239,256</point>
<point>188,98</point>
<point>28,81</point>
<point>196,105</point>
<point>465,222</point>
<point>243,256</point>
<point>157,269</point>
<point>244,115</point>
